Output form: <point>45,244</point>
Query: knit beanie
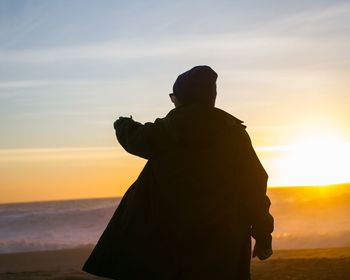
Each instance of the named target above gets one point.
<point>197,85</point>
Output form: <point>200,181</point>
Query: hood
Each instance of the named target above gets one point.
<point>199,125</point>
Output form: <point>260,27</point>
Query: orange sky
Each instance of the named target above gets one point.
<point>66,75</point>
<point>49,174</point>
<point>65,173</point>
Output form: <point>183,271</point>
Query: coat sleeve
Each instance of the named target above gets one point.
<point>256,177</point>
<point>135,138</point>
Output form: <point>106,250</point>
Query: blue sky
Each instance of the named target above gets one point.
<point>69,68</point>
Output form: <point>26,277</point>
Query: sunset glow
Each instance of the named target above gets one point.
<point>318,157</point>
<point>68,74</point>
<point>50,174</point>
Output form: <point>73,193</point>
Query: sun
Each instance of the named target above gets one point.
<point>317,157</point>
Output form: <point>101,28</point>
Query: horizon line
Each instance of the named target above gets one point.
<point>120,197</point>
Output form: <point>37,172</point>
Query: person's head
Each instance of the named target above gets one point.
<point>195,86</point>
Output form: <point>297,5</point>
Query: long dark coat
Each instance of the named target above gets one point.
<point>193,209</point>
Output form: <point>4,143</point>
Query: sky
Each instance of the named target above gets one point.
<point>68,69</point>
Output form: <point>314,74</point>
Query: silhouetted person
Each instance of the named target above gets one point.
<point>200,197</point>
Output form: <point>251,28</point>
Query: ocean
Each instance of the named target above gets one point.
<point>309,217</point>
<point>53,225</point>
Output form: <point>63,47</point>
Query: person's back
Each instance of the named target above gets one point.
<point>200,197</point>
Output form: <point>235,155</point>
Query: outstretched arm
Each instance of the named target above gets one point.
<point>136,138</point>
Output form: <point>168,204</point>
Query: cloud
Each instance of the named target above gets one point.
<point>39,154</point>
<point>136,49</point>
<point>241,52</point>
<point>268,35</point>
<point>315,16</point>
<point>56,154</point>
<point>17,84</point>
<point>280,38</point>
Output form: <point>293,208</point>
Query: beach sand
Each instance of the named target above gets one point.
<point>308,264</point>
